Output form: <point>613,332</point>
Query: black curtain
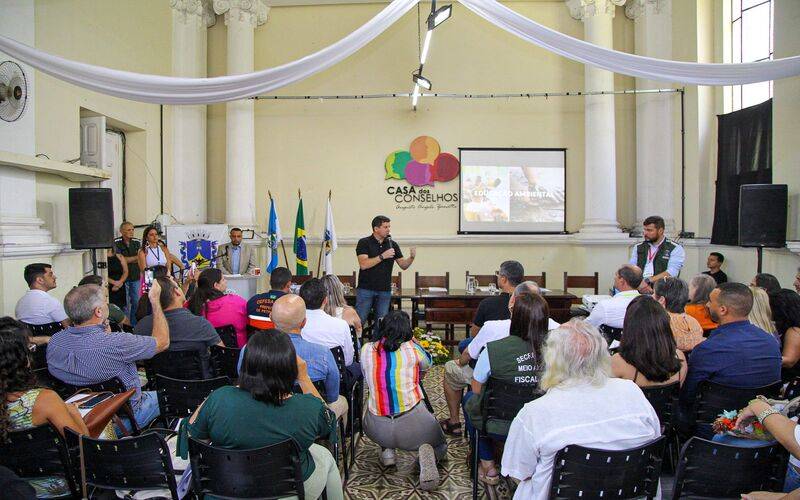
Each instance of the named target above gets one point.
<point>744,156</point>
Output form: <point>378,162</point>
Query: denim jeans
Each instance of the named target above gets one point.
<point>367,299</point>
<point>144,411</point>
<point>132,288</point>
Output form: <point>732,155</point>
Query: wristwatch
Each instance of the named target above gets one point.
<point>380,257</point>
<point>766,413</point>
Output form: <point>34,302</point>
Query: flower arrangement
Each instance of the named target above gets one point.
<point>433,345</point>
<point>726,424</point>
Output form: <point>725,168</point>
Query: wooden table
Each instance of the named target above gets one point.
<point>457,307</point>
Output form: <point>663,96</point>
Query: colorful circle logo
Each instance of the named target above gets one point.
<point>423,164</point>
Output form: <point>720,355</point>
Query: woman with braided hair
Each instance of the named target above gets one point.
<point>23,405</point>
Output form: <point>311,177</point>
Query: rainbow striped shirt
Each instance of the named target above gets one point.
<point>393,377</point>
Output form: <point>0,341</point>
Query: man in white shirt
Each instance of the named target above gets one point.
<point>458,372</point>
<point>37,307</point>
<point>583,406</point>
<point>322,328</point>
<point>611,312</point>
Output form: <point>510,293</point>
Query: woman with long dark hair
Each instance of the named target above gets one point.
<point>647,352</point>
<point>264,410</point>
<point>23,405</point>
<point>785,305</point>
<point>154,253</point>
<point>396,417</point>
<point>210,301</point>
<point>516,359</point>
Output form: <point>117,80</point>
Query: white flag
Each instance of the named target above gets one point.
<point>329,239</point>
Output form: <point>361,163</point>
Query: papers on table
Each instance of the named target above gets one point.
<point>78,398</point>
<point>437,289</point>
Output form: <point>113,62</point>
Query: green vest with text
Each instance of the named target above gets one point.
<point>660,261</point>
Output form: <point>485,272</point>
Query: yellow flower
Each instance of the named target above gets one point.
<point>425,344</point>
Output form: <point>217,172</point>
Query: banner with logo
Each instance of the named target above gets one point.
<point>197,243</point>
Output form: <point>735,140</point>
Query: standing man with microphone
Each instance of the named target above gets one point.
<point>376,256</point>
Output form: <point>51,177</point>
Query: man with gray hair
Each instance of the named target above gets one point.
<point>611,312</point>
<point>495,307</point>
<point>583,405</point>
<point>88,353</point>
<point>458,372</point>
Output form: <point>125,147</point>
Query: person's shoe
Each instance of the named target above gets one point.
<point>387,457</point>
<point>428,472</point>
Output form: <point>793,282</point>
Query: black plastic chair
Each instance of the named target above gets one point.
<point>356,347</point>
<point>38,452</point>
<point>225,361</point>
<point>183,365</point>
<point>180,398</point>
<point>38,356</point>
<point>664,400</point>
<point>45,330</point>
<point>132,463</point>
<point>501,401</point>
<point>792,389</point>
<point>227,333</point>
<point>269,472</point>
<point>352,411</point>
<point>580,472</point>
<point>709,469</point>
<point>610,333</point>
<point>713,399</point>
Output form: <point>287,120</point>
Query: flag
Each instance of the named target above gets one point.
<point>301,255</point>
<point>329,239</point>
<point>274,236</point>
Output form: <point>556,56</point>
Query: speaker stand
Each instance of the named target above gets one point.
<point>94,262</point>
<point>760,254</point>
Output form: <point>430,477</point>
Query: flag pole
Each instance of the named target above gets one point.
<point>322,245</point>
<point>283,245</point>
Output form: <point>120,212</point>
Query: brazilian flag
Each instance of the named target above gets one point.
<point>301,254</point>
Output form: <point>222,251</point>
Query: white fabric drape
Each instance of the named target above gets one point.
<point>630,64</point>
<point>176,90</point>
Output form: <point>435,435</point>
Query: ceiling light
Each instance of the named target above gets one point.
<point>439,16</point>
<point>421,81</point>
<point>425,47</point>
<point>415,96</point>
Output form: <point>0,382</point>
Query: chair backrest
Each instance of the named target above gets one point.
<point>227,333</point>
<point>132,463</point>
<point>429,281</point>
<point>269,472</point>
<point>664,400</point>
<point>184,365</point>
<point>356,347</point>
<point>37,452</point>
<point>45,330</point>
<point>792,389</point>
<point>589,282</point>
<point>709,469</point>
<point>338,355</point>
<point>300,279</point>
<point>540,279</point>
<point>225,361</point>
<point>580,472</point>
<point>610,333</point>
<point>38,356</point>
<point>483,279</point>
<point>503,400</point>
<point>713,399</point>
<point>66,390</point>
<point>350,279</point>
<point>180,398</point>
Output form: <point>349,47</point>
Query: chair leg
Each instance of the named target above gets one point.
<point>345,464</point>
<point>475,465</point>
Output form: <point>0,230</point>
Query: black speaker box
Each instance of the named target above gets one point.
<point>91,218</point>
<point>762,215</point>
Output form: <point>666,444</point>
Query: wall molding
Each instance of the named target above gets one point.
<point>49,250</point>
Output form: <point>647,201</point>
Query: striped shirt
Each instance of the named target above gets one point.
<point>88,355</point>
<point>393,377</point>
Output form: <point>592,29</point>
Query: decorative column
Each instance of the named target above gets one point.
<point>241,18</point>
<point>600,219</point>
<point>190,19</point>
<point>655,133</point>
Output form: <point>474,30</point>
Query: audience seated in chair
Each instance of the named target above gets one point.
<point>115,314</point>
<point>700,288</point>
<point>337,306</point>
<point>23,405</point>
<point>87,353</point>
<point>583,405</point>
<point>785,305</point>
<point>515,359</point>
<point>495,307</point>
<point>289,315</point>
<point>647,353</point>
<point>611,312</point>
<point>673,294</point>
<point>322,328</point>
<point>280,282</point>
<point>263,410</point>
<point>761,313</point>
<point>736,354</point>
<point>210,301</point>
<point>768,282</point>
<point>458,372</point>
<point>37,307</point>
<point>396,417</point>
<point>187,332</point>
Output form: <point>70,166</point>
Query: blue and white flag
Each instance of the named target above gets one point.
<point>329,241</point>
<point>274,236</point>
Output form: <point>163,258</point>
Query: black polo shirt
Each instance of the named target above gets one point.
<point>492,308</point>
<point>379,277</point>
<point>129,250</point>
<point>720,277</point>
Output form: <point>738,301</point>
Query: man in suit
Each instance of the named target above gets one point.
<point>236,258</point>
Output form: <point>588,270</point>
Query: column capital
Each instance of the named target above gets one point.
<point>197,12</point>
<point>581,9</point>
<point>252,12</point>
<point>638,8</point>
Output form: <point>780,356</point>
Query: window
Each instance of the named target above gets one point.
<point>751,40</point>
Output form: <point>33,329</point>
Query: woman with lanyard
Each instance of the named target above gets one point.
<point>154,253</point>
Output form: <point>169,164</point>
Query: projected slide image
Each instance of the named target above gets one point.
<point>509,190</point>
